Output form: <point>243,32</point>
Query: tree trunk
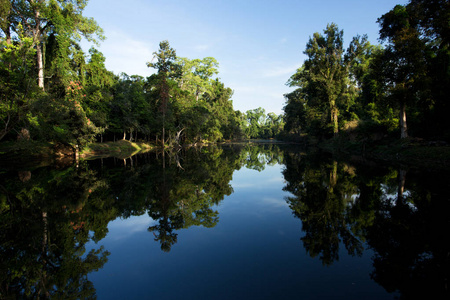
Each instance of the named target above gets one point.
<point>39,50</point>
<point>334,116</point>
<point>5,130</point>
<point>403,126</point>
<point>40,62</point>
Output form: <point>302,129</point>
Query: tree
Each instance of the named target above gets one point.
<point>166,66</point>
<point>323,77</point>
<point>196,74</point>
<point>433,18</point>
<point>128,105</point>
<point>41,19</point>
<point>404,59</point>
<point>326,69</point>
<point>99,83</point>
<point>255,120</point>
<point>17,86</point>
<point>327,84</point>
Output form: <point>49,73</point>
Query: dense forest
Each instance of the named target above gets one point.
<point>399,88</point>
<point>51,90</point>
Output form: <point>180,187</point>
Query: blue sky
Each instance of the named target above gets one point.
<point>259,44</point>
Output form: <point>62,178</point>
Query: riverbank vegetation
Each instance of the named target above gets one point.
<point>368,93</point>
<point>54,93</point>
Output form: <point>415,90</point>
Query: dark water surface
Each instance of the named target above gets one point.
<point>237,222</point>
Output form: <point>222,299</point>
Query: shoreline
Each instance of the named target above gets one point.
<point>409,152</point>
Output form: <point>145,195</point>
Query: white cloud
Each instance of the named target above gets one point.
<point>274,202</point>
<point>244,185</point>
<point>123,228</point>
<point>280,71</point>
<point>128,55</point>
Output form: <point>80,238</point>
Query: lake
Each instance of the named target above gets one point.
<point>244,221</point>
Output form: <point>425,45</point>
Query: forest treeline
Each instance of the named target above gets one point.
<point>399,88</point>
<point>51,90</point>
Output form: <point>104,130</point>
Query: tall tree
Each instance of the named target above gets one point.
<point>166,66</point>
<point>404,58</point>
<point>43,18</point>
<point>323,82</point>
<point>326,68</point>
<point>433,17</point>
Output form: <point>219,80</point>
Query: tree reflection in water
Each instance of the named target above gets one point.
<point>404,216</point>
<point>323,194</point>
<point>45,220</point>
<point>48,215</point>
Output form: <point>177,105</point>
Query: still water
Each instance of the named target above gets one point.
<point>234,222</point>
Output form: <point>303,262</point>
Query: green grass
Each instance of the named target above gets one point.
<point>120,149</point>
<point>32,150</point>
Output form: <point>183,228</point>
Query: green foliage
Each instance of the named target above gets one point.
<point>194,108</point>
<point>46,41</point>
<point>260,125</point>
<point>41,61</point>
<point>17,87</point>
<point>196,74</point>
<point>407,79</point>
<point>327,84</point>
<point>64,120</point>
<point>45,226</point>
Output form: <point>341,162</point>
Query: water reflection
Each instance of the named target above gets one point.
<point>411,237</point>
<point>404,216</point>
<point>48,215</point>
<point>323,196</point>
<point>45,220</point>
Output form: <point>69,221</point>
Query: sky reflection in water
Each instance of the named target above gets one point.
<point>254,252</point>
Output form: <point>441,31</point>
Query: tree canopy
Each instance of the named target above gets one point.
<point>371,89</point>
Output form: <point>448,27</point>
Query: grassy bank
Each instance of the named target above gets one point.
<point>119,149</point>
<point>23,151</point>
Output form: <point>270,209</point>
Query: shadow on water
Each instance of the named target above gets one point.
<point>49,214</point>
<point>402,215</point>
